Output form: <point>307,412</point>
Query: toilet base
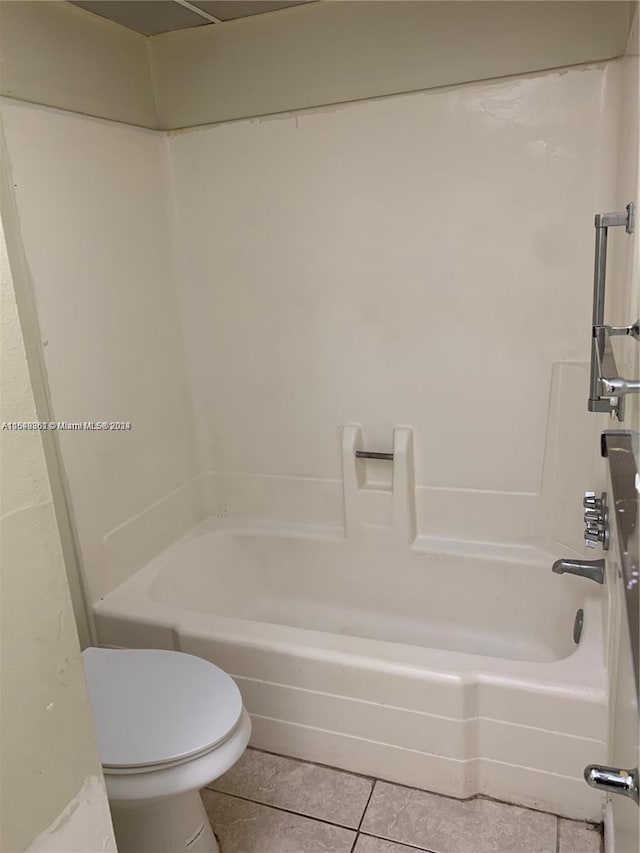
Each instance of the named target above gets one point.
<point>170,825</point>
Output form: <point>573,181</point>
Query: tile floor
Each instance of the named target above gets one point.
<point>271,804</point>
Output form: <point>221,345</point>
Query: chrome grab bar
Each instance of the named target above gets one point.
<point>606,388</point>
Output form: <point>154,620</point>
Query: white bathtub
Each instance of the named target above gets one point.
<point>445,666</point>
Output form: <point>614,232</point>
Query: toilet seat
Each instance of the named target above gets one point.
<point>132,787</point>
<point>156,709</point>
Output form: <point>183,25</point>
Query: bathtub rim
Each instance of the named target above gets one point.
<point>583,669</point>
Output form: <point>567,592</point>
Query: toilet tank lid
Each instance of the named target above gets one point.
<point>156,707</point>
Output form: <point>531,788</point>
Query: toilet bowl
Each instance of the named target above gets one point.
<point>168,724</point>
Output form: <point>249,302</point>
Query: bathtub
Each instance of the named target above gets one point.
<point>445,666</point>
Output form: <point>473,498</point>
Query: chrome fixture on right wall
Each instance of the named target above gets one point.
<point>596,519</point>
<point>619,447</point>
<point>613,780</point>
<point>593,570</point>
<point>607,389</point>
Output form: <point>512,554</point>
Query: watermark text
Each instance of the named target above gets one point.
<point>64,426</point>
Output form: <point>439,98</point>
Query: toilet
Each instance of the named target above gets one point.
<point>168,724</point>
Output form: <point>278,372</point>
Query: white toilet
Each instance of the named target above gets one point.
<point>168,724</point>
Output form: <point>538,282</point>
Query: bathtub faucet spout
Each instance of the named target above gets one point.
<point>591,569</point>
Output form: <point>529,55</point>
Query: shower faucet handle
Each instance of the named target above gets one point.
<point>596,518</point>
<point>594,535</point>
<point>590,500</point>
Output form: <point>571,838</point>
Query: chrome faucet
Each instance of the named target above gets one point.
<point>591,569</point>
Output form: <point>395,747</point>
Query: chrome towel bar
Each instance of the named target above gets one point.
<point>606,388</point>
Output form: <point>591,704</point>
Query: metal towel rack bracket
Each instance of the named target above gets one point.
<point>606,388</point>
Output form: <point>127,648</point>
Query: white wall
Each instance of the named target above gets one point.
<point>58,54</point>
<point>333,52</point>
<point>49,752</point>
<point>422,259</point>
<point>91,198</point>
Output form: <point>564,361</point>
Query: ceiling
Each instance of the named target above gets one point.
<point>151,17</point>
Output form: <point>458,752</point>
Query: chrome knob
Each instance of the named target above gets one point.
<point>595,516</point>
<point>590,500</point>
<point>594,535</point>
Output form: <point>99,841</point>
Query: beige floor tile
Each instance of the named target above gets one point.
<point>578,837</point>
<point>369,844</point>
<point>297,786</point>
<point>244,827</point>
<point>445,825</point>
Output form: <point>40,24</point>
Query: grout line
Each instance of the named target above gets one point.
<point>282,809</point>
<point>314,763</point>
<point>417,752</point>
<point>374,780</point>
<point>366,806</point>
<point>358,834</point>
<point>401,843</point>
<point>471,798</point>
<point>588,823</point>
<point>362,816</point>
